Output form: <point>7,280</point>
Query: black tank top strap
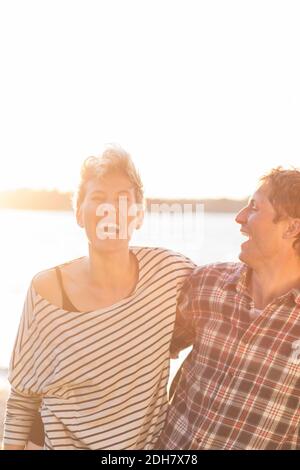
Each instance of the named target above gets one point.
<point>67,304</point>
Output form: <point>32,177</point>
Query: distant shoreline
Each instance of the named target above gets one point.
<point>27,199</point>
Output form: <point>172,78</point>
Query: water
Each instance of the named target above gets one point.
<point>31,241</point>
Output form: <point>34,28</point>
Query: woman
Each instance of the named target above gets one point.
<point>92,350</point>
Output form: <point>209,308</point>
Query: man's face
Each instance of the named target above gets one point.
<point>265,238</point>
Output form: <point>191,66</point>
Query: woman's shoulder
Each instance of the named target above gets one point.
<point>45,284</point>
<point>166,256</point>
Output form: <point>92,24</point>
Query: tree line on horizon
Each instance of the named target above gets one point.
<point>29,199</point>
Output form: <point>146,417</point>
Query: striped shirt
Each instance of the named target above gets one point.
<point>240,386</point>
<point>99,377</point>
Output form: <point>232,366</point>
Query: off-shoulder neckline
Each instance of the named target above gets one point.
<point>137,253</point>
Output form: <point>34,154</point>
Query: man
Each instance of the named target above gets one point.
<point>240,386</point>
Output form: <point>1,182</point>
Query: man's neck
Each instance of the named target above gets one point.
<point>270,282</point>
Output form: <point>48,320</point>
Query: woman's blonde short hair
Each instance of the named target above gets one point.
<point>113,159</point>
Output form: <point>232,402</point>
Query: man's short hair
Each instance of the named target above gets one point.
<point>284,195</point>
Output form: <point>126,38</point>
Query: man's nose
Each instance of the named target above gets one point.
<point>241,217</point>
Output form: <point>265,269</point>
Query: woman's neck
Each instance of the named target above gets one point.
<point>108,270</point>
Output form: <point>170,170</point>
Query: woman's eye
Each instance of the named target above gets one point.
<point>97,198</point>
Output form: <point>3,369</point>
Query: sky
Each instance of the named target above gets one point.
<point>204,95</point>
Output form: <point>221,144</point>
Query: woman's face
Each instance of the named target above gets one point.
<point>109,212</point>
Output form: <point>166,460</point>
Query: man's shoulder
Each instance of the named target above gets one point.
<point>215,273</point>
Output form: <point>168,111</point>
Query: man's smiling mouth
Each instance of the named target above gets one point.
<point>246,234</point>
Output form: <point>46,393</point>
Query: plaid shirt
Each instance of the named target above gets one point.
<point>240,386</point>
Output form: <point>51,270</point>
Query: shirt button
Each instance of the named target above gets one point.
<point>195,444</point>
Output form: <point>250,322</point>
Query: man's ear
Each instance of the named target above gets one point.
<point>293,228</point>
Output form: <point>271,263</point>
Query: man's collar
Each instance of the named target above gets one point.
<point>238,280</point>
<point>296,294</point>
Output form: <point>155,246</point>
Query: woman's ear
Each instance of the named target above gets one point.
<point>140,219</point>
<point>79,217</point>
